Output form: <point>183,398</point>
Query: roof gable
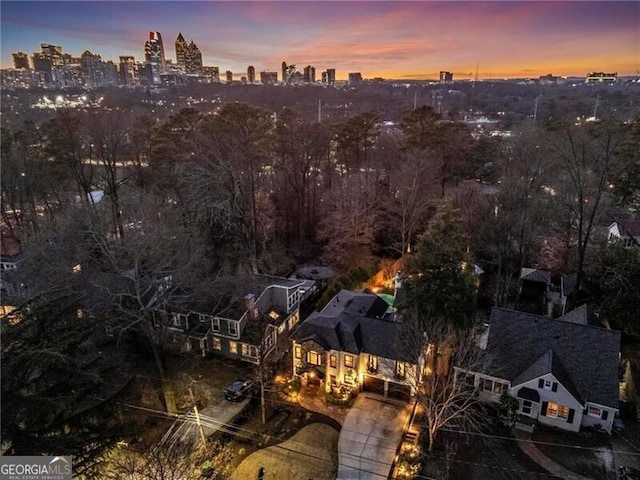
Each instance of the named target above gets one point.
<point>583,358</point>
<point>344,325</point>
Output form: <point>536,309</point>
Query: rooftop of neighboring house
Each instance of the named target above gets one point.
<point>230,299</point>
<point>583,358</point>
<point>357,323</point>
<point>627,227</point>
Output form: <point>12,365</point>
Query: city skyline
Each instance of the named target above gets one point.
<point>401,40</point>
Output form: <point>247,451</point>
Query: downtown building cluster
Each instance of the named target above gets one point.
<point>52,68</point>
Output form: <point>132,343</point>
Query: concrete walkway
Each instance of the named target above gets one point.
<point>370,436</point>
<point>530,449</point>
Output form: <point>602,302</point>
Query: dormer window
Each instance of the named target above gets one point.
<point>548,384</point>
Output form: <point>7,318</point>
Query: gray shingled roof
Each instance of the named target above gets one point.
<point>355,323</point>
<point>583,358</point>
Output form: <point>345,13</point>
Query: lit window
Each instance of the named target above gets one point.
<point>563,412</point>
<point>400,369</point>
<point>348,379</point>
<point>233,347</point>
<point>348,361</point>
<point>372,366</point>
<point>313,358</point>
<point>297,351</point>
<point>558,411</point>
<point>333,361</point>
<point>594,412</point>
<point>246,350</point>
<point>274,315</point>
<point>215,343</point>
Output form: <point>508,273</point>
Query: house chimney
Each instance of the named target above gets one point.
<point>252,309</point>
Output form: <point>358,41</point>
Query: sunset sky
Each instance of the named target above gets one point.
<point>390,39</point>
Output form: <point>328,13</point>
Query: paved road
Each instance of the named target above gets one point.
<point>370,436</point>
<point>214,417</point>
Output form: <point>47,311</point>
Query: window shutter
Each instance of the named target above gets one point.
<point>554,387</point>
<point>543,412</point>
<point>571,413</point>
<point>605,414</point>
<point>540,383</point>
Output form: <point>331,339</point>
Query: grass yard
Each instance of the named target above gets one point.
<point>310,453</point>
<point>586,453</point>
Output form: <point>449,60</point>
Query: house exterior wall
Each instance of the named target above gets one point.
<point>560,397</point>
<point>598,416</point>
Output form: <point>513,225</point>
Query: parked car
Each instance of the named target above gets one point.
<point>238,390</point>
<point>628,473</point>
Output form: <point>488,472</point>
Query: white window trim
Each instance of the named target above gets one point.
<point>234,324</point>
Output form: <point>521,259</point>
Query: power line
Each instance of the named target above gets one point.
<point>538,442</point>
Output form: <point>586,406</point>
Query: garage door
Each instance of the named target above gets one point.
<point>373,384</point>
<point>400,391</point>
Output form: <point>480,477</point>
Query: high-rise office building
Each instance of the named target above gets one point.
<point>188,55</point>
<point>46,59</point>
<point>229,76</point>
<point>193,62</point>
<point>181,50</point>
<point>20,60</point>
<point>154,57</point>
<point>329,76</point>
<point>269,78</point>
<point>309,74</point>
<point>127,70</point>
<point>251,74</point>
<point>95,72</point>
<point>355,78</point>
<point>289,74</point>
<point>446,77</point>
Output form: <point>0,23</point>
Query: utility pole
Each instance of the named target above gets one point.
<point>415,99</point>
<point>319,111</point>
<point>197,415</point>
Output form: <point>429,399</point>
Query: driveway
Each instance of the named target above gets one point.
<point>370,436</point>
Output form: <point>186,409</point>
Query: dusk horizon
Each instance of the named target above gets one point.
<point>395,40</point>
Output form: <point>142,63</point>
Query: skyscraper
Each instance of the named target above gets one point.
<point>229,76</point>
<point>154,56</point>
<point>188,55</point>
<point>446,77</point>
<point>251,74</point>
<point>329,76</point>
<point>127,70</point>
<point>181,50</point>
<point>309,74</point>
<point>20,60</point>
<point>355,78</point>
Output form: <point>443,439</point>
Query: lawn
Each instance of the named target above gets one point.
<point>587,453</point>
<point>311,453</point>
